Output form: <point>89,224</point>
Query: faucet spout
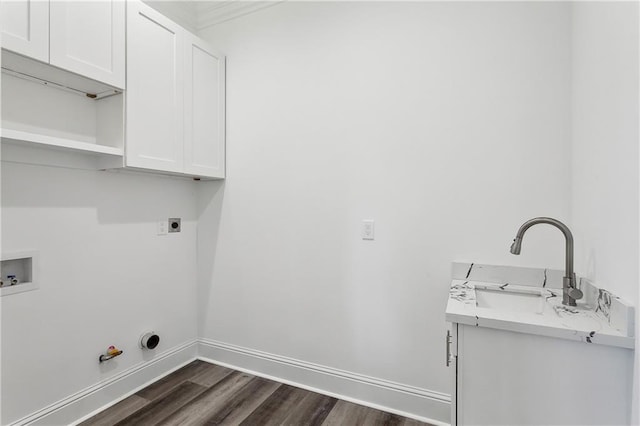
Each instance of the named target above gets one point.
<point>569,291</point>
<point>516,246</point>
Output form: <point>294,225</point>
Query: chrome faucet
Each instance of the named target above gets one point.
<point>570,293</point>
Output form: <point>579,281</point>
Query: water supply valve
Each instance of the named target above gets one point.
<point>112,352</point>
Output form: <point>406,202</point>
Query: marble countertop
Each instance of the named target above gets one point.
<point>599,318</point>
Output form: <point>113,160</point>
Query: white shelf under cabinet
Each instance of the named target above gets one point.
<point>21,137</point>
<point>34,148</point>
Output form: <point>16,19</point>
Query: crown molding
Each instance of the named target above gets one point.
<point>182,12</point>
<point>213,13</point>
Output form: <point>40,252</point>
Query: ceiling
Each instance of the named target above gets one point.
<point>198,15</point>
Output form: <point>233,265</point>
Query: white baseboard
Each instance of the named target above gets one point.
<point>409,401</point>
<point>89,401</point>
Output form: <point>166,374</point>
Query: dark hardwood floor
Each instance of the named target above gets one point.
<point>207,394</point>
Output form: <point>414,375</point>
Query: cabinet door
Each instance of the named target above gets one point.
<point>154,117</point>
<point>204,114</point>
<point>25,27</point>
<point>88,38</point>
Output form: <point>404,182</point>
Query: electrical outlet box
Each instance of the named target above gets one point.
<point>174,224</point>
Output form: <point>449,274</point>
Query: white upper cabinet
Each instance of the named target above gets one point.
<point>175,98</point>
<point>88,38</point>
<point>172,117</point>
<point>25,27</point>
<point>84,37</point>
<point>204,107</point>
<point>155,92</point>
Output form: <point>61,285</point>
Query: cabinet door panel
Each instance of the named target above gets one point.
<point>511,378</point>
<point>204,110</point>
<point>88,38</point>
<point>155,59</point>
<point>25,27</point>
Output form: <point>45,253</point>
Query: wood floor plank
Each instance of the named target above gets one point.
<point>202,394</point>
<point>239,406</point>
<point>164,407</point>
<point>117,412</point>
<point>212,375</point>
<point>165,385</point>
<point>277,407</point>
<point>198,411</point>
<point>311,411</point>
<point>347,413</point>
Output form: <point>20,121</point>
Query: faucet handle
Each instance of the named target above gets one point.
<point>575,293</point>
<point>570,291</point>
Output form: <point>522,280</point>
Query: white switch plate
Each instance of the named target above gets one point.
<point>368,229</point>
<point>163,227</point>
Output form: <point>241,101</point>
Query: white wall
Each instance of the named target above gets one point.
<point>106,277</point>
<point>447,123</point>
<point>605,148</point>
<point>605,144</point>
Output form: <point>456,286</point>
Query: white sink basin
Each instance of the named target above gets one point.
<point>505,300</point>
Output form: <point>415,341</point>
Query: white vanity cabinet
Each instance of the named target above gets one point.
<point>518,356</point>
<point>509,378</point>
<point>175,98</point>
<point>25,28</point>
<point>83,37</point>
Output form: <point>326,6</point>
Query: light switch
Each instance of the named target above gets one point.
<point>163,227</point>
<point>368,229</point>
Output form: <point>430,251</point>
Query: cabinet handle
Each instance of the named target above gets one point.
<point>448,345</point>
